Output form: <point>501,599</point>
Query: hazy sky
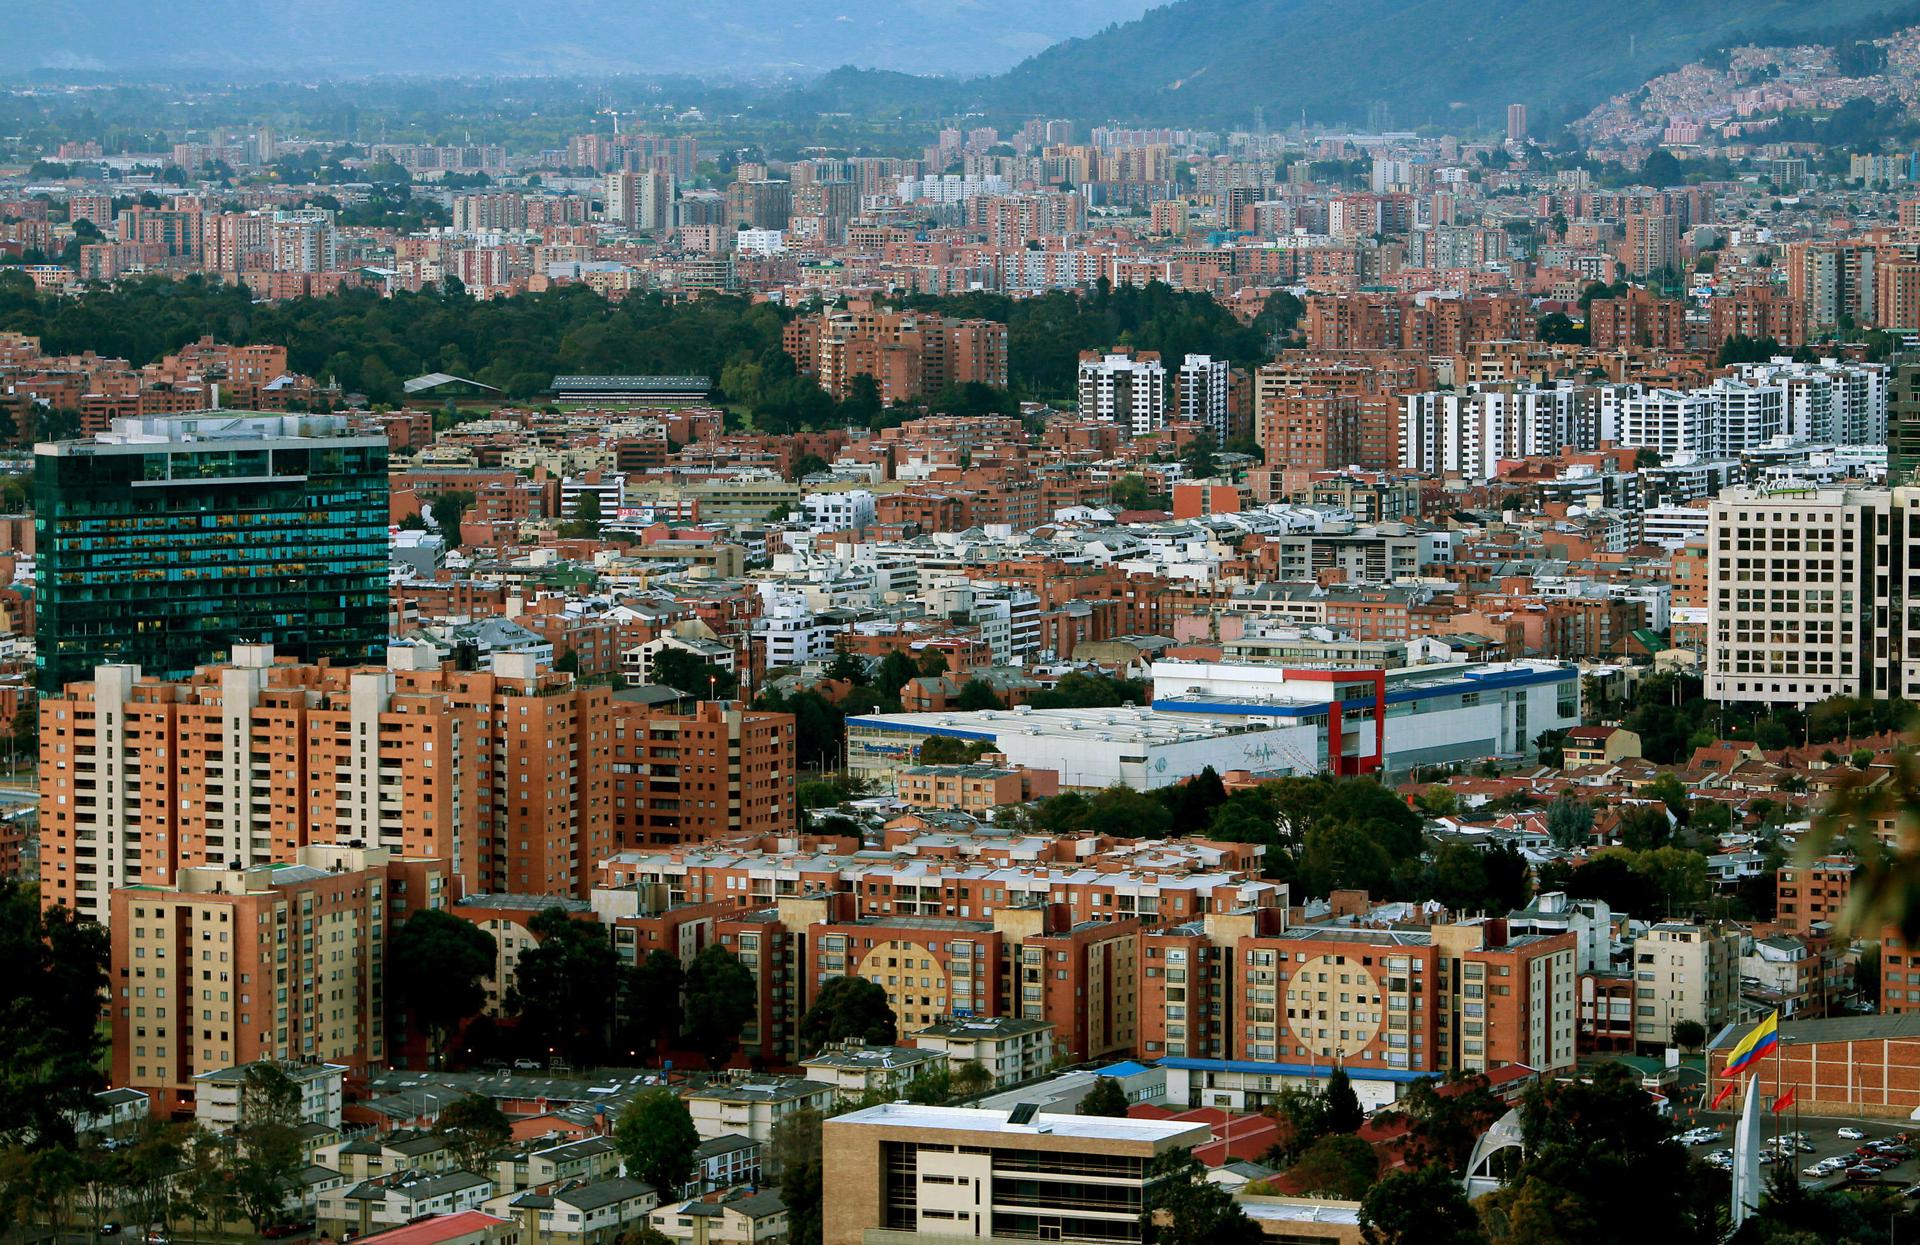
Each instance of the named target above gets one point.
<point>296,38</point>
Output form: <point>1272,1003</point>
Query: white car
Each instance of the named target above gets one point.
<point>1853,1134</point>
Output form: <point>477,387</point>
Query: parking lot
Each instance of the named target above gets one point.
<point>1822,1134</point>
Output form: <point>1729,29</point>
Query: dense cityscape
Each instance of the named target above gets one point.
<point>968,648</point>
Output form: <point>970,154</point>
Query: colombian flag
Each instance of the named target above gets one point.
<point>1754,1047</point>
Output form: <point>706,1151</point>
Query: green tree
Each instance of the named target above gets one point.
<point>1460,878</point>
<point>806,465</point>
<point>566,985</point>
<point>690,673</point>
<point>977,694</point>
<point>1343,856</point>
<point>266,1155</point>
<point>448,508</point>
<point>1443,1127</point>
<point>1195,1211</point>
<point>1424,1206</point>
<point>653,987</point>
<point>155,1154</point>
<point>1569,822</point>
<point>1342,1112</point>
<point>1585,1142</point>
<point>436,973</point>
<point>1198,456</point>
<point>1644,827</point>
<point>848,1008</point>
<point>1338,1165</point>
<point>930,1089</point>
<point>1129,492</point>
<point>473,1128</point>
<point>1689,1034</point>
<point>969,1078</point>
<point>796,1155</point>
<point>947,750</point>
<point>585,523</point>
<point>56,978</point>
<point>1105,1098</point>
<point>1122,812</point>
<point>721,1000</point>
<point>1438,801</point>
<point>656,1139</point>
<point>847,668</point>
<point>1866,973</point>
<point>1191,804</point>
<point>897,669</point>
<point>1669,790</point>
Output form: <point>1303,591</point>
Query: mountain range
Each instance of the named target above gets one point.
<point>1421,61</point>
<point>302,39</point>
<point>1399,63</point>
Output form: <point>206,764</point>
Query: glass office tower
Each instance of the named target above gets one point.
<point>170,539</point>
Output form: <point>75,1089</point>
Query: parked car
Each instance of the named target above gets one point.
<point>533,1065</point>
<point>109,1229</point>
<point>1851,1133</point>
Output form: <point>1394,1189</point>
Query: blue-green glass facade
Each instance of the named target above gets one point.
<point>166,554</point>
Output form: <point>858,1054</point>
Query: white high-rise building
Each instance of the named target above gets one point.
<point>1125,389</point>
<point>1202,386</point>
<point>1467,434</point>
<point>1667,420</point>
<point>1806,596</point>
<point>1745,415</point>
<point>1830,402</point>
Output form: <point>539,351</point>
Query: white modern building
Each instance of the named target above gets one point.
<point>1089,748</point>
<point>1466,434</point>
<point>1745,415</point>
<point>1807,594</point>
<point>1667,420</point>
<point>1262,718</point>
<point>838,512</point>
<point>1202,386</point>
<point>1388,720</point>
<point>1125,389</point>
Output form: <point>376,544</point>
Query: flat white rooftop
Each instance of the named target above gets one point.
<point>974,1120</point>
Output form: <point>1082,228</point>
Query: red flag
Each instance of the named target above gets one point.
<point>1785,1100</point>
<point>1726,1091</point>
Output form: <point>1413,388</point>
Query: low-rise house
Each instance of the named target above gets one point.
<point>114,1111</point>
<point>551,1160</point>
<point>399,1198</point>
<point>753,1106</point>
<point>723,1162</point>
<point>1011,1048</point>
<point>744,1219</point>
<point>855,1070</point>
<point>368,1157</point>
<point>580,1212</point>
<point>219,1100</point>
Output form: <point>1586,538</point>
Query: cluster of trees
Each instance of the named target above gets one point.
<point>571,995</point>
<point>370,344</point>
<point>1045,335</point>
<point>1321,833</point>
<point>1672,716</point>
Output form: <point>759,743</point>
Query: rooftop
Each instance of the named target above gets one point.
<point>970,1120</point>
